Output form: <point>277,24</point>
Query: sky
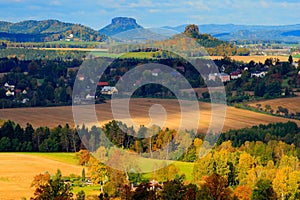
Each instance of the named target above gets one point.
<point>154,13</point>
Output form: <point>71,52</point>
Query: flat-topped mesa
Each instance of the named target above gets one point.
<point>124,20</point>
<point>119,25</point>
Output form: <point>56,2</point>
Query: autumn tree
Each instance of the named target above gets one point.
<point>52,189</point>
<point>242,192</point>
<point>218,186</point>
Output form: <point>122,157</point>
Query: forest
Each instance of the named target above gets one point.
<point>264,165</point>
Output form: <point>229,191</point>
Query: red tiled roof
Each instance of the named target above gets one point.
<point>102,83</point>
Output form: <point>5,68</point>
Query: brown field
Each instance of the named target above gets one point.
<point>292,104</point>
<point>257,59</point>
<point>18,170</point>
<point>75,49</point>
<point>52,116</point>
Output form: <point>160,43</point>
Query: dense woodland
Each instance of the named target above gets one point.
<point>261,162</point>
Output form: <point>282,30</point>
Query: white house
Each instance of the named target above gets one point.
<point>258,74</point>
<point>89,97</point>
<point>109,90</point>
<point>9,93</point>
<point>7,86</point>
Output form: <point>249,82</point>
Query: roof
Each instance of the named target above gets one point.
<point>102,83</point>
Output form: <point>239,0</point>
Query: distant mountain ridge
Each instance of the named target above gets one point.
<point>46,30</point>
<point>119,25</point>
<point>232,32</point>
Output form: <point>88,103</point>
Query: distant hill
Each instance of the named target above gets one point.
<point>232,32</point>
<point>47,30</point>
<point>119,25</point>
<point>212,45</point>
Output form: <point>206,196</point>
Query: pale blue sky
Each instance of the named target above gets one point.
<point>154,13</point>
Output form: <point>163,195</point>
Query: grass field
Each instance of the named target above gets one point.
<point>52,116</point>
<point>296,56</point>
<point>17,171</point>
<point>292,104</point>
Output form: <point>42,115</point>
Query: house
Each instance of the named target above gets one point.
<point>9,87</point>
<point>69,37</point>
<point>18,91</point>
<point>9,93</point>
<point>3,74</point>
<point>295,64</point>
<point>89,97</point>
<point>155,72</point>
<point>223,76</point>
<point>235,75</point>
<point>80,77</point>
<point>259,74</point>
<point>109,90</point>
<point>102,84</point>
<point>24,100</point>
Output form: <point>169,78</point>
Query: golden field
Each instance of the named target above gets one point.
<point>256,59</point>
<point>17,171</point>
<point>53,116</point>
<point>292,104</point>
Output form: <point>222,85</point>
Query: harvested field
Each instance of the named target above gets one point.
<point>257,59</point>
<point>292,104</point>
<point>17,171</point>
<point>139,111</point>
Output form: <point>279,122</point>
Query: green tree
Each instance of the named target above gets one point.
<point>263,190</point>
<point>80,195</point>
<point>290,59</point>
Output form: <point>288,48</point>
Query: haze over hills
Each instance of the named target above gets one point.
<point>229,32</point>
<point>47,30</point>
<point>127,28</point>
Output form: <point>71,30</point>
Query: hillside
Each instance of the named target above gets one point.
<point>213,46</point>
<point>47,30</point>
<point>228,32</point>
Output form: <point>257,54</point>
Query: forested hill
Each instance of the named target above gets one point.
<point>213,46</point>
<point>47,30</point>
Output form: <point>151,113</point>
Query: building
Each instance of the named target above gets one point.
<point>109,90</point>
<point>259,74</point>
<point>235,75</point>
<point>223,76</point>
<point>102,84</point>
